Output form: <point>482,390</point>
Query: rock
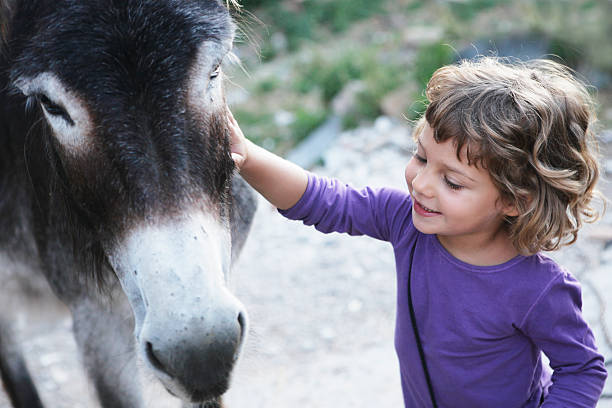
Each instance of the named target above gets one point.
<point>346,99</point>
<point>310,150</point>
<point>416,36</point>
<point>396,103</point>
<point>283,118</point>
<point>355,306</point>
<point>608,166</point>
<point>279,42</point>
<point>327,333</point>
<point>523,47</point>
<point>600,232</point>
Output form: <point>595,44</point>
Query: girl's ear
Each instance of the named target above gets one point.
<point>510,210</point>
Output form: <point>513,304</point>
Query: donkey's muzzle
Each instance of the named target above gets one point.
<point>194,359</point>
<point>189,327</point>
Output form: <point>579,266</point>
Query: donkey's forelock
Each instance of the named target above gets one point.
<point>139,39</point>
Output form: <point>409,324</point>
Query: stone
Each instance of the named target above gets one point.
<point>346,99</point>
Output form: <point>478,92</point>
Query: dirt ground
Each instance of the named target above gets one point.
<point>321,306</point>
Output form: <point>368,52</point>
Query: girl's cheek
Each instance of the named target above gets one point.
<point>410,173</point>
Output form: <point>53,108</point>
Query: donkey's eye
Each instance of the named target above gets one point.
<point>54,109</point>
<point>215,72</point>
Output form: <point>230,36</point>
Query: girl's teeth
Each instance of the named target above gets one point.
<point>428,209</point>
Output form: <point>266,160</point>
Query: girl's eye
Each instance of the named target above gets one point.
<point>452,185</point>
<point>421,159</point>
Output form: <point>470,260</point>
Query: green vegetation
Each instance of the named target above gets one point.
<point>378,82</point>
<point>467,10</point>
<point>264,129</point>
<point>387,47</point>
<point>306,122</point>
<point>331,76</point>
<point>267,85</point>
<point>259,127</point>
<point>302,20</point>
<point>579,29</point>
<point>428,59</point>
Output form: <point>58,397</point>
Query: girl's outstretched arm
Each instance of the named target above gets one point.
<point>281,182</point>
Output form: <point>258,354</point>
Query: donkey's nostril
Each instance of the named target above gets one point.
<point>241,321</point>
<point>153,359</point>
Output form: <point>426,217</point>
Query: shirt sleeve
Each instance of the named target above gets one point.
<point>332,206</point>
<point>556,325</point>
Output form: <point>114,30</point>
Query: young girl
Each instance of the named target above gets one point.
<point>504,169</point>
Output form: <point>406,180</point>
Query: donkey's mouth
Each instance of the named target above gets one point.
<point>212,396</point>
<point>203,397</point>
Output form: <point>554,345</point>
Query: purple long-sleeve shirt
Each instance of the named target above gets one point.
<point>482,328</point>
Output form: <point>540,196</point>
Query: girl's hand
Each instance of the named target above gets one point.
<point>281,182</point>
<point>238,143</point>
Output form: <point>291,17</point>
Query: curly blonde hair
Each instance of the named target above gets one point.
<point>530,124</point>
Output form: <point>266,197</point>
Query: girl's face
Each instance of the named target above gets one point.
<point>457,202</point>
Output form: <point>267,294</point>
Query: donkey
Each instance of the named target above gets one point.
<point>117,192</point>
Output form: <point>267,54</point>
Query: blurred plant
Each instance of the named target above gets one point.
<point>466,10</point>
<point>258,127</point>
<point>267,85</point>
<point>296,26</point>
<point>581,30</point>
<point>576,31</point>
<point>339,14</point>
<point>379,81</point>
<point>428,59</point>
<point>305,122</point>
<point>301,20</point>
<point>332,74</point>
<point>263,128</point>
<point>254,4</point>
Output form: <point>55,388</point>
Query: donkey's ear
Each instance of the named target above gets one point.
<point>7,7</point>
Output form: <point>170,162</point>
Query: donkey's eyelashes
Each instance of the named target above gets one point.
<point>64,109</point>
<point>53,108</point>
<point>215,73</point>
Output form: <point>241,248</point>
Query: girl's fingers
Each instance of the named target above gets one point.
<point>238,160</point>
<point>237,143</point>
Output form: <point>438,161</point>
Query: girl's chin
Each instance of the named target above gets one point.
<point>423,226</point>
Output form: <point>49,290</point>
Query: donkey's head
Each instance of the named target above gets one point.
<point>132,114</point>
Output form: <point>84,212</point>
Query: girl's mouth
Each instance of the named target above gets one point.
<point>425,211</point>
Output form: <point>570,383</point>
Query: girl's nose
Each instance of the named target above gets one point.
<point>421,183</point>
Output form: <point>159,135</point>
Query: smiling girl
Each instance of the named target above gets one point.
<point>504,169</point>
